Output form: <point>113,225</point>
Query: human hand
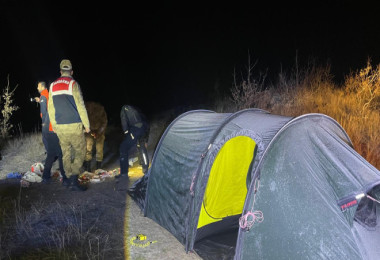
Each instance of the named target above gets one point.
<point>37,99</point>
<point>87,130</point>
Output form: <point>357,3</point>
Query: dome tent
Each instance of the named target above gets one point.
<point>205,174</point>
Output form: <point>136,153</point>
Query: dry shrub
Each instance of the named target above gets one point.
<point>362,117</point>
<point>246,93</point>
<point>7,108</point>
<point>355,105</point>
<point>355,109</point>
<point>365,84</point>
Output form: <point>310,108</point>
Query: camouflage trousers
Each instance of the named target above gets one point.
<point>99,144</point>
<point>73,145</point>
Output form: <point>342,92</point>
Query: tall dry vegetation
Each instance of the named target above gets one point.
<point>7,108</point>
<point>355,104</point>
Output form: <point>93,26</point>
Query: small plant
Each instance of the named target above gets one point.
<point>7,109</point>
<point>246,93</point>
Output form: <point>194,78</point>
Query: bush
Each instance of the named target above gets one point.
<point>355,105</point>
<point>247,92</point>
<point>7,109</point>
<point>365,84</point>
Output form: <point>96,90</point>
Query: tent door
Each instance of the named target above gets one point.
<point>226,188</point>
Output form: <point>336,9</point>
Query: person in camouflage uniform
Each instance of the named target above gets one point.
<point>68,117</point>
<point>98,121</point>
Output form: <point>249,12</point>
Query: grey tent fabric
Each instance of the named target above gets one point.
<point>369,239</point>
<point>305,178</point>
<point>308,167</point>
<point>257,124</point>
<point>174,162</point>
<point>180,158</point>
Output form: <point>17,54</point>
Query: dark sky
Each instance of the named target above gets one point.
<point>164,55</point>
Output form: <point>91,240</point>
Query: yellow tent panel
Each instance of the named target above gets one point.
<point>226,188</point>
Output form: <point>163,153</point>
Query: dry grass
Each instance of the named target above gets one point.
<point>50,231</point>
<point>354,105</point>
<point>21,152</point>
<point>44,229</point>
<point>361,125</point>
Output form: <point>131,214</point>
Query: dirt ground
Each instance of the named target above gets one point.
<point>166,247</point>
<point>105,208</point>
<point>42,215</point>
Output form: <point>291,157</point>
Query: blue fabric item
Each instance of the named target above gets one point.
<point>14,175</point>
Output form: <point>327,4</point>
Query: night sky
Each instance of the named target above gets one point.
<point>165,55</point>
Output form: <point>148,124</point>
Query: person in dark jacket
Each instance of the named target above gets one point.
<point>43,101</point>
<point>49,138</point>
<point>136,132</point>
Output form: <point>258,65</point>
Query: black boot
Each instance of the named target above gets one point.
<point>98,164</point>
<point>75,185</point>
<point>87,166</point>
<point>66,181</point>
<point>46,176</point>
<point>46,181</point>
<point>122,175</point>
<point>124,165</point>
